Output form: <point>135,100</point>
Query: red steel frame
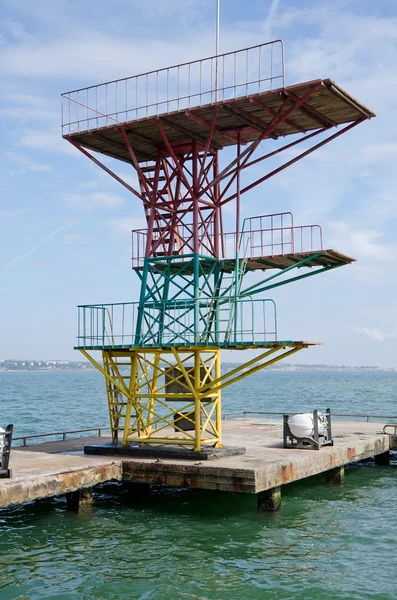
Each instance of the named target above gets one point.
<point>256,239</point>
<point>183,186</point>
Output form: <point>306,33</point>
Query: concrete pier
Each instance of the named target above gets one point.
<point>57,468</point>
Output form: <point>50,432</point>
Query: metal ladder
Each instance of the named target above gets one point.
<point>116,401</point>
<point>238,273</point>
<point>162,219</point>
<point>231,306</point>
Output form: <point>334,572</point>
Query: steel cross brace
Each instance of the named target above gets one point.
<point>259,287</point>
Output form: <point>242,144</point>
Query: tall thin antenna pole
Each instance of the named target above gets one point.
<point>217,25</point>
<point>218,2</point>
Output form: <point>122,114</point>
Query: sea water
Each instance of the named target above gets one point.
<point>327,542</point>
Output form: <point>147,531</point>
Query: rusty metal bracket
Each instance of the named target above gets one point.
<point>394,425</point>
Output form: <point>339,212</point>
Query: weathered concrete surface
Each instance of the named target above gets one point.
<point>41,471</point>
<point>266,464</point>
<point>55,468</point>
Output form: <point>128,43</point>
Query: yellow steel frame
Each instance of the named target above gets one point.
<point>173,395</point>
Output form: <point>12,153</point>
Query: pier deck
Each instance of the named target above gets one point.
<point>54,468</point>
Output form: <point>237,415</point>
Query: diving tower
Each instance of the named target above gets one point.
<point>161,355</point>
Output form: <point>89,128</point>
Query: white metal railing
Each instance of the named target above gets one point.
<point>214,79</point>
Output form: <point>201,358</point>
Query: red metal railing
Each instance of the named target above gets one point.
<point>216,78</point>
<point>262,236</point>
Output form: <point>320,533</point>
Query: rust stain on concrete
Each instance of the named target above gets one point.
<point>238,484</point>
<point>45,486</point>
<point>287,473</point>
<point>351,453</point>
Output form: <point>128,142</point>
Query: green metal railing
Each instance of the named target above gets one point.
<point>176,323</point>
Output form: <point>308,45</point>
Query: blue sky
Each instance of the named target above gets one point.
<point>65,225</point>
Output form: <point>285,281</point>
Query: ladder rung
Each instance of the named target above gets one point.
<point>174,252</point>
<point>153,178</point>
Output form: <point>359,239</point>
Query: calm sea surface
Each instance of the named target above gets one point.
<point>327,542</point>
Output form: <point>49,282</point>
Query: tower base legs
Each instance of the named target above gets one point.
<point>172,396</point>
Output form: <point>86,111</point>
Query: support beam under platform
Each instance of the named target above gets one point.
<point>336,475</point>
<point>269,500</point>
<point>172,396</point>
<point>383,460</point>
<point>79,501</point>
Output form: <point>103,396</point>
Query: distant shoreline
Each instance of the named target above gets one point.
<point>280,369</point>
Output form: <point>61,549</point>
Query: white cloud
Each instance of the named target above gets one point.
<point>376,334</point>
<point>378,152</point>
<point>172,7</point>
<point>94,57</point>
<point>85,54</point>
<point>124,11</point>
<point>362,243</point>
<point>28,100</point>
<point>81,201</point>
<point>48,139</point>
<point>16,30</point>
<point>29,108</point>
<point>271,20</point>
<point>27,163</point>
<point>24,114</point>
<point>346,43</point>
<point>125,225</point>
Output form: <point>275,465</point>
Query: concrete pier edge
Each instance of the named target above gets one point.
<point>57,468</point>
